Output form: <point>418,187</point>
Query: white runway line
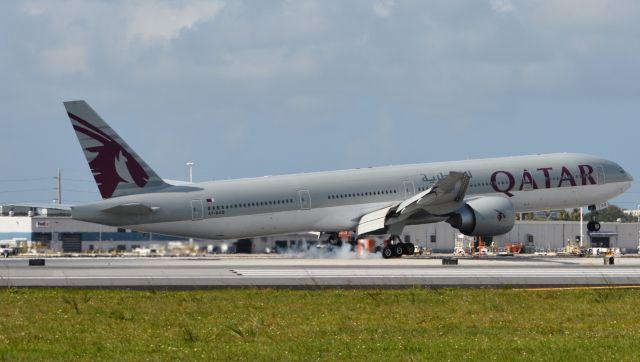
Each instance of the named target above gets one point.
<point>436,273</point>
<point>117,277</point>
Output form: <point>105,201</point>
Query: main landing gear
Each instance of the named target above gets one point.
<point>593,225</point>
<point>396,248</point>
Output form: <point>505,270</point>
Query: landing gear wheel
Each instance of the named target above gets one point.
<point>593,226</point>
<point>387,252</point>
<point>408,249</point>
<point>398,250</point>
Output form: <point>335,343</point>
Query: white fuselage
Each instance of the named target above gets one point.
<point>335,201</point>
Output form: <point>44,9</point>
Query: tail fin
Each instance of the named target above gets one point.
<point>117,169</point>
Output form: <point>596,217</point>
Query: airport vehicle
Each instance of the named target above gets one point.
<point>6,250</point>
<point>478,197</point>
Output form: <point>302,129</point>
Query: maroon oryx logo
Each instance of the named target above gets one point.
<point>501,215</point>
<point>113,164</point>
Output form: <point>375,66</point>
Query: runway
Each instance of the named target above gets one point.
<point>175,273</point>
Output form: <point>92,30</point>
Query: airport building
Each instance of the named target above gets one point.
<point>539,235</point>
<point>49,229</point>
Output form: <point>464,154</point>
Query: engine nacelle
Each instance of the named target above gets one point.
<point>485,216</point>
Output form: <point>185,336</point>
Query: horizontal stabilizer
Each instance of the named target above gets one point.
<point>40,206</point>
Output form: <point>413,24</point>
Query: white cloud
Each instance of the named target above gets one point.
<point>503,6</point>
<point>584,13</point>
<point>152,21</point>
<point>66,60</point>
<point>35,7</point>
<point>275,63</point>
<point>383,8</point>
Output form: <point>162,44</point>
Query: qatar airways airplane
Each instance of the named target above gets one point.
<point>478,197</point>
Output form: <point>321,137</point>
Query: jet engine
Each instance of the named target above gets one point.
<point>484,216</point>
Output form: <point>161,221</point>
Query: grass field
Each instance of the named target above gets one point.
<point>279,325</point>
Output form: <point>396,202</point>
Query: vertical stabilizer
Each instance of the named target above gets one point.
<point>117,169</point>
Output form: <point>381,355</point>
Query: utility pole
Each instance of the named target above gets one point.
<point>59,187</point>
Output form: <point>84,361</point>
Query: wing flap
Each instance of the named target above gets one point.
<point>373,221</point>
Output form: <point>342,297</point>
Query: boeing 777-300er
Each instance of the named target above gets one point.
<point>477,197</point>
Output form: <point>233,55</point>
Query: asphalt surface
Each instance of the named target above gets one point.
<point>180,273</point>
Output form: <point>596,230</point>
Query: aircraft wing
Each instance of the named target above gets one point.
<point>444,197</point>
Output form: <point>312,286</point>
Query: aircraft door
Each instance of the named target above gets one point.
<point>305,200</point>
<point>601,175</point>
<point>409,189</point>
<point>197,210</point>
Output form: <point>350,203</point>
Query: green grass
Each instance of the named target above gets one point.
<point>277,325</point>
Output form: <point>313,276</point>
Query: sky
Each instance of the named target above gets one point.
<point>253,88</point>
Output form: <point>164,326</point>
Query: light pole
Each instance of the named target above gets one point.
<point>581,228</point>
<point>190,165</point>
